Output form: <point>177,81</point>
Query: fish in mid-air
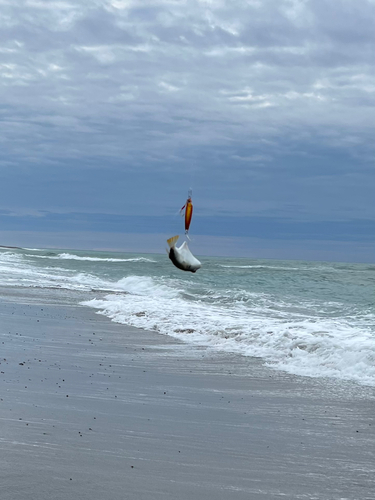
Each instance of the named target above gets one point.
<point>181,256</point>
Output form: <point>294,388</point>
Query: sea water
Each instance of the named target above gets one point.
<point>312,319</point>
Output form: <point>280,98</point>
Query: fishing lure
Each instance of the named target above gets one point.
<point>188,209</point>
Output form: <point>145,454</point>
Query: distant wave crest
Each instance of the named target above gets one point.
<point>68,256</point>
<point>260,266</point>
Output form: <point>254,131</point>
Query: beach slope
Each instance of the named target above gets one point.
<point>94,410</point>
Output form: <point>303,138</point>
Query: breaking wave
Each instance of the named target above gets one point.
<point>302,343</point>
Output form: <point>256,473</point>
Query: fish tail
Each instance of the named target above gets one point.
<point>172,241</point>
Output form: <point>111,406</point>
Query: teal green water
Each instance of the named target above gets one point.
<point>308,318</point>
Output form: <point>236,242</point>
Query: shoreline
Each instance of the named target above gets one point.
<point>92,409</point>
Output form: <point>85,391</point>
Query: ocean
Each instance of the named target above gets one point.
<point>313,319</point>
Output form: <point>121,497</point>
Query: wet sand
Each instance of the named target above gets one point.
<point>95,410</point>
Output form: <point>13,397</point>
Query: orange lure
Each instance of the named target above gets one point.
<point>188,207</point>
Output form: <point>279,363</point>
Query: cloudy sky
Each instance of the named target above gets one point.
<point>110,110</point>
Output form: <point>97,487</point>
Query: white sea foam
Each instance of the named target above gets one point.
<point>16,271</point>
<point>313,346</point>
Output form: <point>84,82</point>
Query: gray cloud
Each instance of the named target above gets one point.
<point>263,105</point>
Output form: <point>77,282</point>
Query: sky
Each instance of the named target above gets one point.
<point>110,110</point>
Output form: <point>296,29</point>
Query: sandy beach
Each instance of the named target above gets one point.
<point>95,410</point>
